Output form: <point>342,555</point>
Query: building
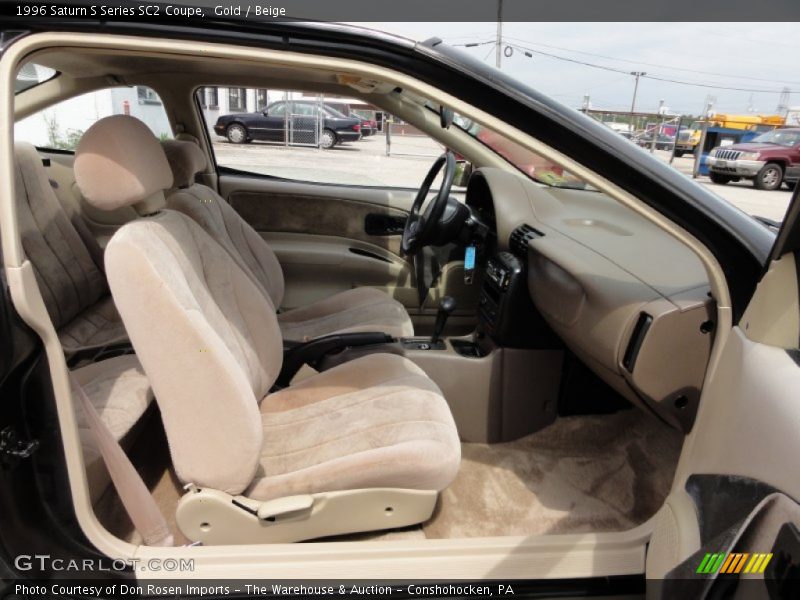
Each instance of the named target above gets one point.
<point>62,125</point>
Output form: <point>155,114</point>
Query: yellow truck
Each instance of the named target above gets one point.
<point>688,138</point>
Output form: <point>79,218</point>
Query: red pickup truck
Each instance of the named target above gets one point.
<point>770,159</point>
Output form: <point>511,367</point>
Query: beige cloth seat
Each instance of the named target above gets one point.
<point>210,343</point>
<point>359,309</point>
<point>119,390</point>
<point>72,284</point>
<point>77,299</point>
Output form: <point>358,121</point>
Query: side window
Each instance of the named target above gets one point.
<point>60,127</point>
<point>312,138</point>
<point>236,98</point>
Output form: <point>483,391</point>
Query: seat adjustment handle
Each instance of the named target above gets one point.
<point>289,507</point>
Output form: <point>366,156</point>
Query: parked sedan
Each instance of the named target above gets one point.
<point>298,126</point>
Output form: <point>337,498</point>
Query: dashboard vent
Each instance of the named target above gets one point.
<point>518,241</point>
<point>635,343</point>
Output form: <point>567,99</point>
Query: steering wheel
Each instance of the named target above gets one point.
<point>420,228</point>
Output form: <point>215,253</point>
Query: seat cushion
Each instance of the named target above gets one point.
<point>359,309</point>
<point>120,391</point>
<point>99,325</point>
<point>377,421</point>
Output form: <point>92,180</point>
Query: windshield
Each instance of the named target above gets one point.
<point>781,137</point>
<point>533,165</point>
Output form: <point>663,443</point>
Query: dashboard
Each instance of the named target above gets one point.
<point>624,296</point>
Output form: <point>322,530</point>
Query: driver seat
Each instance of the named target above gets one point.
<point>355,310</point>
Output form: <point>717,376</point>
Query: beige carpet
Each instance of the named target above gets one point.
<point>580,474</point>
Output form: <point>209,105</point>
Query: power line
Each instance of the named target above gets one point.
<point>489,53</point>
<point>648,76</point>
<point>648,64</point>
<point>616,70</point>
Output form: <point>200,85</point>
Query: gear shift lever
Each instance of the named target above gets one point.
<point>446,306</point>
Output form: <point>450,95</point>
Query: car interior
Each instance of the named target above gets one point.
<point>288,361</point>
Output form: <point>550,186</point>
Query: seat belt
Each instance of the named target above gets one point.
<point>136,498</point>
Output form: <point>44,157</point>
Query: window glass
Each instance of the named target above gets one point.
<point>261,99</point>
<point>778,137</point>
<point>30,75</point>
<point>277,110</point>
<point>533,165</point>
<point>60,127</point>
<point>307,137</point>
<point>236,98</point>
<point>305,110</point>
<point>208,97</point>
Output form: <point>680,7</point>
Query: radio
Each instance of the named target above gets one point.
<point>498,273</point>
<point>505,310</point>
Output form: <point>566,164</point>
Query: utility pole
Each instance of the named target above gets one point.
<point>498,47</point>
<point>636,74</point>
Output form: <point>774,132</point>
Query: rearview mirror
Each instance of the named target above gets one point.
<point>446,116</point>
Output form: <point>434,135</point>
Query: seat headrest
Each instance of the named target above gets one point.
<point>119,162</point>
<point>186,160</point>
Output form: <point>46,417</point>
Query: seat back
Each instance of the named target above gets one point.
<point>220,220</point>
<point>206,335</point>
<point>69,279</point>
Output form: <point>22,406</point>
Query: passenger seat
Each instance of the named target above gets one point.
<point>354,310</point>
<point>76,295</point>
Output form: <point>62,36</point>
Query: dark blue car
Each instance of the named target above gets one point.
<point>297,126</point>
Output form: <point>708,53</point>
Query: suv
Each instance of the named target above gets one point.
<point>769,159</point>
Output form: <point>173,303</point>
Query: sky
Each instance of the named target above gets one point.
<point>761,59</point>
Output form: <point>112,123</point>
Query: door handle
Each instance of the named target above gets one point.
<point>382,224</point>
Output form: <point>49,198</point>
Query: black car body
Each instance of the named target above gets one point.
<point>293,122</point>
<point>368,126</point>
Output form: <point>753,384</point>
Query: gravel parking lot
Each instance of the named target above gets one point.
<point>365,163</point>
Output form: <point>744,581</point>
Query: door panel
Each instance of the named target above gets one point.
<point>749,415</point>
<point>320,235</point>
<point>332,238</point>
<point>290,213</point>
<point>319,266</point>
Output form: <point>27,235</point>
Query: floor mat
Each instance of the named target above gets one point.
<point>581,474</point>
